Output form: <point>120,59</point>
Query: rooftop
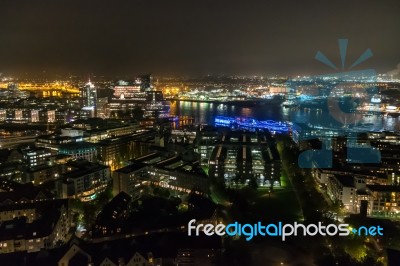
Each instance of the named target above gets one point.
<point>131,168</point>
<point>345,180</point>
<point>19,228</point>
<point>12,192</point>
<point>383,188</point>
<point>83,167</point>
<point>77,145</point>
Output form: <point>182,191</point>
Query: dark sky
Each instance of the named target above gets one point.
<point>193,37</point>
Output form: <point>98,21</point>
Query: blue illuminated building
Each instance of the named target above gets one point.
<point>251,124</point>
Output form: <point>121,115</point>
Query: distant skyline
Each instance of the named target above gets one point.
<point>188,37</point>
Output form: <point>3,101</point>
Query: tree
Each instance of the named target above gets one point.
<point>355,248</point>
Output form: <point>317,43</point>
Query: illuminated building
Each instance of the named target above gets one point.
<point>139,94</point>
<point>166,170</point>
<point>89,96</point>
<point>102,108</point>
<point>383,200</point>
<point>156,106</point>
<point>133,90</point>
<point>15,93</point>
<point>111,219</point>
<point>34,116</point>
<point>16,193</point>
<point>185,135</point>
<point>60,116</point>
<point>115,152</point>
<point>79,150</point>
<point>13,171</point>
<point>34,227</point>
<point>104,133</point>
<point>36,156</point>
<point>48,116</point>
<point>54,142</point>
<point>126,90</point>
<point>28,115</point>
<point>367,193</point>
<point>83,180</point>
<point>341,189</point>
<point>252,124</point>
<point>152,103</point>
<point>54,89</point>
<point>9,213</point>
<point>96,129</point>
<point>128,179</point>
<point>88,254</point>
<point>43,173</point>
<point>369,177</point>
<point>243,157</point>
<point>3,115</point>
<point>206,137</point>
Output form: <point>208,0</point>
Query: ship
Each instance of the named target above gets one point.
<point>140,94</point>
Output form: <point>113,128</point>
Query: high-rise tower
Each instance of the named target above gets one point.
<point>89,97</point>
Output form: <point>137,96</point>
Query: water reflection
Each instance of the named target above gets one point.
<point>205,113</point>
<point>247,112</point>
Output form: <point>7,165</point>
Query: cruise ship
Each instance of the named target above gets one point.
<point>140,94</point>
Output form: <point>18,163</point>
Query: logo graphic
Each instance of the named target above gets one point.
<point>341,99</point>
<point>249,231</point>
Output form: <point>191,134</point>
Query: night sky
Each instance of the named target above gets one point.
<point>193,37</point>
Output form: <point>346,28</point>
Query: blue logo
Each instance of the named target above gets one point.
<point>368,231</point>
<point>342,97</point>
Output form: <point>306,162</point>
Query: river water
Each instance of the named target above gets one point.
<point>205,113</point>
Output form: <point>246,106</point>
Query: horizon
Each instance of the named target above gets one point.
<point>191,38</point>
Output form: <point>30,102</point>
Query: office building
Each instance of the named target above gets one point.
<point>36,156</point>
<point>79,150</point>
<point>83,180</point>
<point>33,227</point>
<point>341,189</point>
<point>160,169</point>
<point>383,201</point>
<point>240,157</point>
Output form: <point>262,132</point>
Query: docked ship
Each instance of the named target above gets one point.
<point>392,110</point>
<point>139,94</point>
<point>290,100</point>
<point>237,101</point>
<point>288,103</point>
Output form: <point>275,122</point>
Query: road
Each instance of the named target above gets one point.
<point>15,141</point>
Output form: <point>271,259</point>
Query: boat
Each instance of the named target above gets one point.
<point>288,104</point>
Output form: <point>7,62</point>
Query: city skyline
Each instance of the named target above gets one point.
<point>192,38</point>
<point>187,133</point>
